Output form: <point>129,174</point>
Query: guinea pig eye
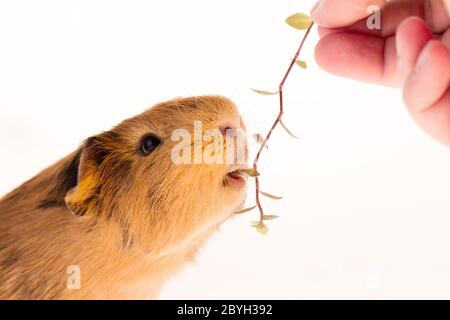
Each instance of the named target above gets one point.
<point>149,143</point>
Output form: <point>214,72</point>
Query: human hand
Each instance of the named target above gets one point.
<point>411,50</point>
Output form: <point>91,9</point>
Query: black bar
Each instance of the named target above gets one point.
<point>228,309</point>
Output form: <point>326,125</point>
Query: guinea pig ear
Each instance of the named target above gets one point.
<point>82,197</point>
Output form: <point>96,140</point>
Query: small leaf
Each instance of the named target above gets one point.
<point>288,131</point>
<point>270,217</point>
<point>255,223</point>
<point>302,64</point>
<point>252,172</point>
<point>261,228</point>
<point>265,93</point>
<point>268,195</point>
<point>260,139</point>
<point>299,21</point>
<point>245,210</point>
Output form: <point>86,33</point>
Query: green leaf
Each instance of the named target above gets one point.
<point>299,21</point>
<point>245,210</point>
<point>261,228</point>
<point>252,172</point>
<point>268,195</point>
<point>288,131</point>
<point>265,93</point>
<point>270,217</point>
<point>302,64</point>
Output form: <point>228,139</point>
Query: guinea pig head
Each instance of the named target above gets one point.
<point>169,174</point>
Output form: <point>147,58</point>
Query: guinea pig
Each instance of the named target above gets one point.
<point>118,216</point>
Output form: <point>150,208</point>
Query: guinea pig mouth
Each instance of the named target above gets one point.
<point>235,178</point>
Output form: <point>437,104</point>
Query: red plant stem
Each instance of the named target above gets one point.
<point>277,121</point>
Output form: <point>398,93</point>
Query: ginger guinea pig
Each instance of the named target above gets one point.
<point>120,215</point>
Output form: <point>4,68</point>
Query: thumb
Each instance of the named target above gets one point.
<point>341,13</point>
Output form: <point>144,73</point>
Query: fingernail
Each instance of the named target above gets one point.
<point>314,8</point>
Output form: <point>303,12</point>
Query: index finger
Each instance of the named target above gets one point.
<point>342,13</point>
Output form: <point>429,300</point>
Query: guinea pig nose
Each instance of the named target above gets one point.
<point>226,130</point>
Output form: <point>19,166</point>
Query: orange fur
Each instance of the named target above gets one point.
<point>129,222</point>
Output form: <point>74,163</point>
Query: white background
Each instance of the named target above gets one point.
<point>366,212</point>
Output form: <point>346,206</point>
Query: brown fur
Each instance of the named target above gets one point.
<point>129,222</point>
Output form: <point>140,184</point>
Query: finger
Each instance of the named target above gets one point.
<point>339,13</point>
<point>391,16</point>
<point>359,57</point>
<point>354,56</point>
<point>323,31</point>
<point>446,39</point>
<point>412,36</point>
<point>430,79</point>
<point>372,59</point>
<point>427,93</point>
<point>436,120</point>
<point>395,12</point>
<point>436,15</point>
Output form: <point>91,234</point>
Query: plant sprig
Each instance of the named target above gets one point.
<point>298,21</point>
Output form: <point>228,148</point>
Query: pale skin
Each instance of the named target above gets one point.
<point>411,51</point>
